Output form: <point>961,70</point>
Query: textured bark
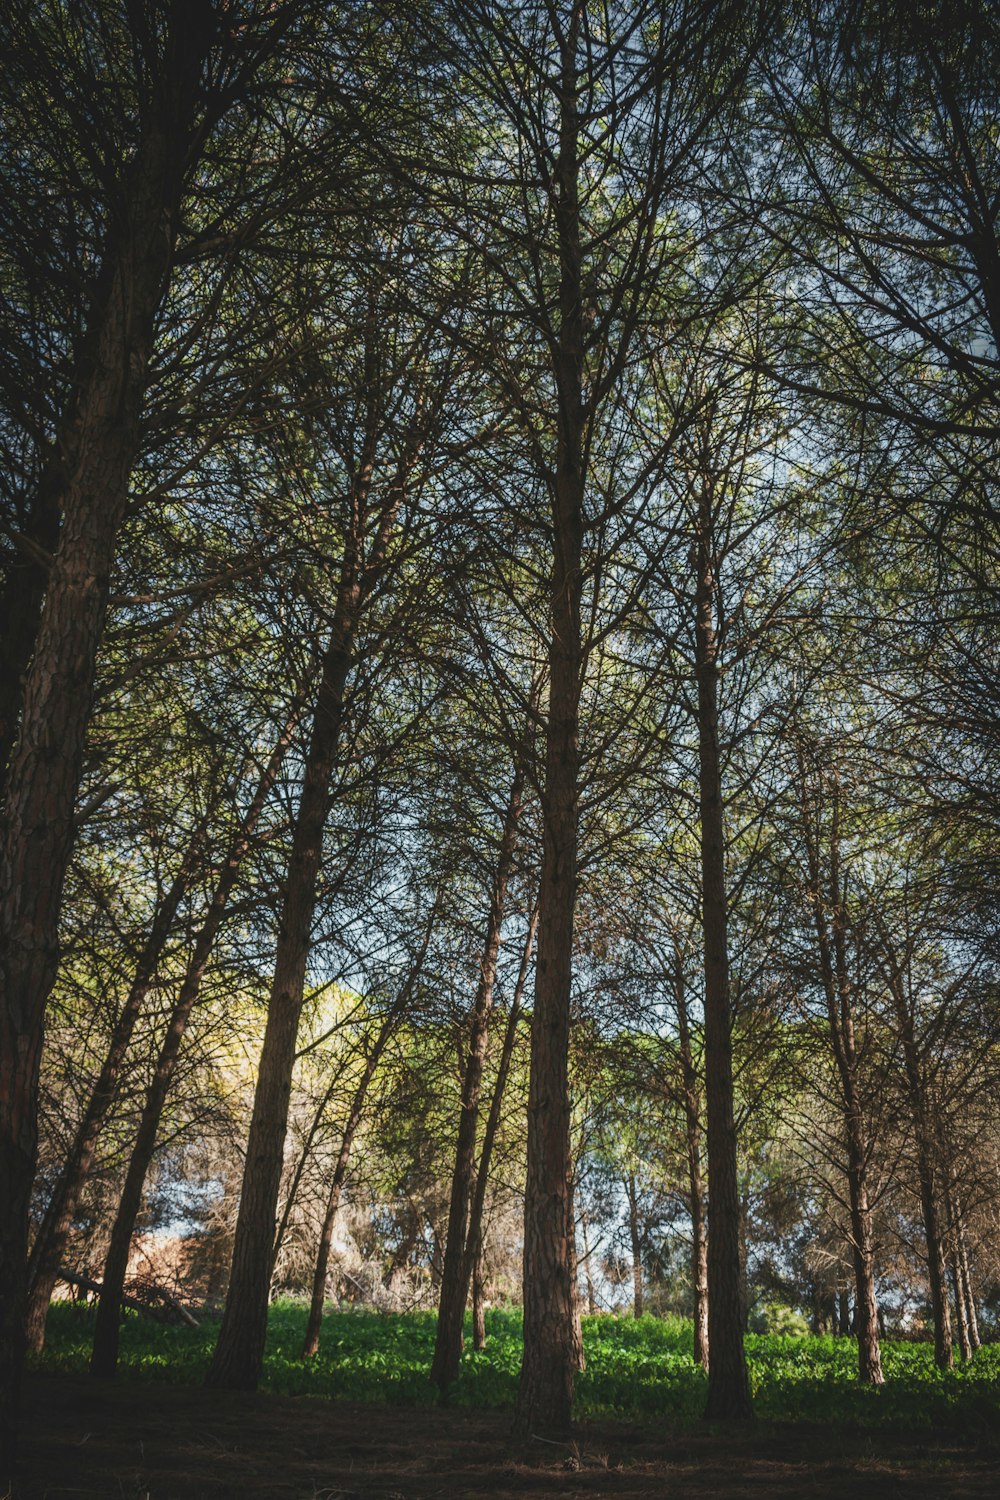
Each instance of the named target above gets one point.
<point>454,1280</point>
<point>696,1186</point>
<point>50,1243</point>
<point>834,969</point>
<point>354,1114</point>
<point>728,1382</point>
<point>545,1393</point>
<point>104,1356</point>
<point>97,449</point>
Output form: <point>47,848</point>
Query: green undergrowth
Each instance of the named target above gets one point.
<point>639,1369</point>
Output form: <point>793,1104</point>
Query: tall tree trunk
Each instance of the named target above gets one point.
<point>374,1057</point>
<point>454,1282</point>
<point>954,1267</point>
<point>838,993</point>
<point>104,1356</point>
<point>545,1392</point>
<point>48,1251</point>
<point>965,1281</point>
<point>728,1382</point>
<point>477,1208</point>
<point>696,1186</point>
<point>924,1139</point>
<point>98,444</point>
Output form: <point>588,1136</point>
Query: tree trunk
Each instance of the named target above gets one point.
<point>50,1243</point>
<point>104,1356</point>
<point>923,1131</point>
<point>98,443</point>
<point>474,1237</point>
<point>454,1281</point>
<point>838,992</point>
<point>478,1300</point>
<point>385,1031</point>
<point>21,607</point>
<point>728,1382</point>
<point>696,1187</point>
<point>635,1242</point>
<point>545,1393</point>
<point>965,1283</point>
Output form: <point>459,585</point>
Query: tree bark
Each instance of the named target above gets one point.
<point>454,1281</point>
<point>47,1253</point>
<point>545,1392</point>
<point>728,1382</point>
<point>478,1300</point>
<point>98,445</point>
<point>104,1356</point>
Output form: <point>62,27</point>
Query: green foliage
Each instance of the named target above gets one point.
<point>636,1368</point>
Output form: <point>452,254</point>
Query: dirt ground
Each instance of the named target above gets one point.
<point>148,1442</point>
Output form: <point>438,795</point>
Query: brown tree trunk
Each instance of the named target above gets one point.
<point>478,1299</point>
<point>728,1382</point>
<point>635,1242</point>
<point>474,1237</point>
<point>454,1281</point>
<point>48,1251</point>
<point>104,1356</point>
<point>696,1187</point>
<point>391,1020</point>
<point>923,1132</point>
<point>239,1352</point>
<point>545,1392</point>
<point>955,1272</point>
<point>21,607</point>
<point>965,1282</point>
<point>98,444</point>
<point>838,992</point>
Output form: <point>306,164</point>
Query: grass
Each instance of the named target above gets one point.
<point>639,1369</point>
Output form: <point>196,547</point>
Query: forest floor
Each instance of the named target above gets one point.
<point>146,1441</point>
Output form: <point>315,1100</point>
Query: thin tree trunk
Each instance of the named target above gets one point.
<point>965,1282</point>
<point>454,1283</point>
<point>844,1314</point>
<point>587,1272</point>
<point>936,1268</point>
<point>104,1357</point>
<point>478,1299</point>
<point>838,992</point>
<point>635,1241</point>
<point>696,1187</point>
<point>388,1026</point>
<point>728,1382</point>
<point>954,1268</point>
<point>98,442</point>
<point>545,1392</point>
<point>48,1251</point>
<point>477,1208</point>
